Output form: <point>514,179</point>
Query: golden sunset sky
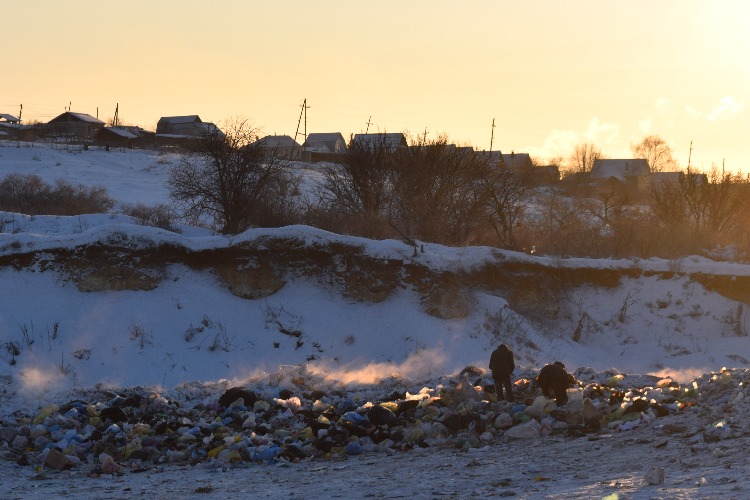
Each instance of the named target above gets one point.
<point>552,74</point>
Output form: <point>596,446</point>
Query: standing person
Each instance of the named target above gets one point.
<point>554,379</point>
<point>502,366</point>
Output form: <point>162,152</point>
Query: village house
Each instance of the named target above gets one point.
<point>189,125</point>
<point>6,118</point>
<point>180,131</point>
<point>516,161</point>
<point>76,127</point>
<point>631,175</point>
<point>323,147</point>
<point>664,179</point>
<point>521,164</point>
<point>124,137</point>
<point>495,158</point>
<point>281,147</point>
<point>331,142</point>
<point>390,141</point>
<point>9,126</point>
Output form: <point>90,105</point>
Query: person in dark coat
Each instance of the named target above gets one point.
<point>553,379</point>
<point>502,366</point>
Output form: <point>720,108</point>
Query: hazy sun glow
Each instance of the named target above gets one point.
<point>36,381</point>
<point>551,74</point>
<point>417,364</point>
<point>683,375</point>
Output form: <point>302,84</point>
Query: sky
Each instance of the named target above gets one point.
<point>550,74</point>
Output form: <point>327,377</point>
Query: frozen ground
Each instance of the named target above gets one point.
<point>553,468</point>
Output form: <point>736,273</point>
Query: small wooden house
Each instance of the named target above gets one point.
<point>124,137</point>
<point>632,174</point>
<point>391,141</point>
<point>517,161</point>
<point>180,125</point>
<point>74,127</point>
<point>330,142</point>
<point>185,126</point>
<point>328,146</point>
<point>281,147</point>
<point>9,126</point>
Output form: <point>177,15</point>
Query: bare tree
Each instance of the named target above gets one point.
<point>438,192</point>
<point>505,191</point>
<point>361,187</point>
<point>702,211</point>
<point>556,161</point>
<point>656,151</point>
<point>30,195</point>
<point>583,157</point>
<point>226,177</point>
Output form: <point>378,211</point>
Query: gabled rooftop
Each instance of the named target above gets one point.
<point>180,119</point>
<point>81,117</point>
<point>619,169</point>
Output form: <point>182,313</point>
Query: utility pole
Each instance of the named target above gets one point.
<point>18,130</point>
<point>690,154</point>
<point>369,122</point>
<point>492,135</point>
<point>116,119</point>
<point>302,111</point>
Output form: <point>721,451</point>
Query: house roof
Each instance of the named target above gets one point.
<point>619,169</point>
<point>325,142</point>
<point>8,118</point>
<point>119,131</point>
<point>180,119</point>
<point>517,160</point>
<point>492,156</point>
<point>391,140</point>
<point>81,117</point>
<point>666,177</point>
<point>210,128</point>
<point>278,141</point>
<point>324,137</point>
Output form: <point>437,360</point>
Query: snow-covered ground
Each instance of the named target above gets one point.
<point>191,329</point>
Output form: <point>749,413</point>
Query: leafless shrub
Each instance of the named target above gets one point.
<point>64,368</point>
<point>226,177</point>
<point>192,331</point>
<point>26,335</point>
<point>30,195</point>
<point>138,333</point>
<point>83,354</point>
<point>357,194</point>
<point>161,215</point>
<point>622,314</point>
<point>438,194</point>
<point>13,349</point>
<point>734,323</point>
<point>221,339</point>
<point>586,325</point>
<point>502,324</point>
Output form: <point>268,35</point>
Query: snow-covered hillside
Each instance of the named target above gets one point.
<point>658,320</point>
<point>98,301</point>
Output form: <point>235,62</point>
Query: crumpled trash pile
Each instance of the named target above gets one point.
<point>297,415</point>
